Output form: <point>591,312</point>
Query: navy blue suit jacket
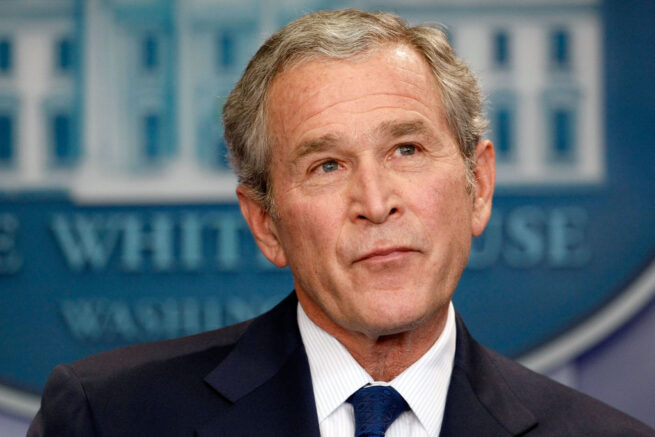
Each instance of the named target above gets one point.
<point>253,379</point>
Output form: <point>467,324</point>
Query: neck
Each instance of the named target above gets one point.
<point>383,356</point>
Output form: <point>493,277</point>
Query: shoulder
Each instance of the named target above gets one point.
<point>167,387</point>
<point>161,370</point>
<point>560,409</point>
<point>155,388</point>
<point>525,401</point>
<point>215,343</point>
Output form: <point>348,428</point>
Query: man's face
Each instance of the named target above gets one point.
<point>372,210</point>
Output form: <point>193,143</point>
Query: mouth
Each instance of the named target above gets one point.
<point>385,254</point>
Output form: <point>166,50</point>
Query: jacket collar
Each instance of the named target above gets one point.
<point>480,402</point>
<point>267,380</point>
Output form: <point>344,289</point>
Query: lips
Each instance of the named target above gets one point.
<point>384,254</point>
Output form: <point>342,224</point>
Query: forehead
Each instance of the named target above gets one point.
<point>316,92</point>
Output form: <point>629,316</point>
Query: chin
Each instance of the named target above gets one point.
<point>386,323</point>
<point>395,316</point>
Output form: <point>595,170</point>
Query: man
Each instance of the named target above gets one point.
<point>357,142</point>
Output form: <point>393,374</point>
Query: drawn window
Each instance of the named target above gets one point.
<point>504,133</point>
<point>150,53</point>
<point>226,49</point>
<point>64,55</point>
<point>502,117</point>
<point>501,49</point>
<point>560,49</point>
<point>64,150</point>
<point>563,147</point>
<point>6,139</point>
<point>5,56</point>
<point>152,137</point>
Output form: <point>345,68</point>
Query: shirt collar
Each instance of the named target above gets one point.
<point>336,375</point>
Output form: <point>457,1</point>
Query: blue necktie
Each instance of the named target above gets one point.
<point>376,407</point>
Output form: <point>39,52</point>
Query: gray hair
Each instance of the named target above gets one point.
<point>341,34</point>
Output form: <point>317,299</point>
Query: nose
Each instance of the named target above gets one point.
<point>373,195</point>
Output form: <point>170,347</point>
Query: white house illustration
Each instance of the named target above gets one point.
<point>119,100</point>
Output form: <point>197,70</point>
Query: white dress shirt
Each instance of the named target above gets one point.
<point>336,375</point>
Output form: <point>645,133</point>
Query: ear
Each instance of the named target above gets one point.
<point>485,180</point>
<point>262,227</point>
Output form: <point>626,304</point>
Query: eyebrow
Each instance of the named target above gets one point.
<point>395,129</point>
<point>316,145</point>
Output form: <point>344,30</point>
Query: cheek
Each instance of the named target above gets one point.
<point>311,231</point>
<point>446,205</point>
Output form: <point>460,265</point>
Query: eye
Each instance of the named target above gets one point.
<point>407,149</point>
<point>329,166</point>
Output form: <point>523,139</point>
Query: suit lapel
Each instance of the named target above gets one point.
<point>479,402</point>
<point>266,379</point>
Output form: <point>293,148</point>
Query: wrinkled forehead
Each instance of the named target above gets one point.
<point>321,84</point>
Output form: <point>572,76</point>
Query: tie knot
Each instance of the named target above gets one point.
<point>376,407</point>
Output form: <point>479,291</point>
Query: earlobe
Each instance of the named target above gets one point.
<point>262,227</point>
<point>485,180</point>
